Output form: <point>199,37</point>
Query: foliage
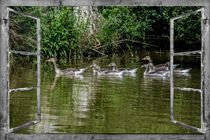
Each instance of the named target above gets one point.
<point>187,30</point>
<point>22,32</point>
<point>59,34</point>
<point>64,34</point>
<point>121,23</point>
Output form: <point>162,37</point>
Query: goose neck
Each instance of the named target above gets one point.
<point>114,68</point>
<point>57,70</point>
<point>146,70</point>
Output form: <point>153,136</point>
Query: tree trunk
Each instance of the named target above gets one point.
<point>87,15</point>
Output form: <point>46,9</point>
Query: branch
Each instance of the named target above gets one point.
<point>96,51</point>
<point>126,40</point>
<point>129,40</point>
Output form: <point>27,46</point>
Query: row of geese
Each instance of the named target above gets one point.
<point>150,69</point>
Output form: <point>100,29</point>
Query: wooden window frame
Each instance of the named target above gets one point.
<point>38,57</point>
<point>202,128</point>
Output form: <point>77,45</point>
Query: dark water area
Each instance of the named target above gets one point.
<point>105,104</point>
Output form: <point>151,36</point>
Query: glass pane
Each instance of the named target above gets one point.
<point>23,71</point>
<point>188,72</point>
<point>22,108</point>
<point>187,37</point>
<point>187,107</point>
<point>22,33</point>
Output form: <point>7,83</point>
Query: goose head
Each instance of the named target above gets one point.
<point>57,70</point>
<point>147,58</point>
<point>50,60</point>
<point>112,64</point>
<point>95,66</point>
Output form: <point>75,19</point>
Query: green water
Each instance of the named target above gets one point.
<point>91,104</point>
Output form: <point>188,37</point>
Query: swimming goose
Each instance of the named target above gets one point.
<point>175,70</point>
<point>160,67</point>
<point>149,71</point>
<point>100,71</point>
<point>68,71</point>
<point>124,70</point>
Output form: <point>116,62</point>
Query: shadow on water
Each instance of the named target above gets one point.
<point>105,104</point>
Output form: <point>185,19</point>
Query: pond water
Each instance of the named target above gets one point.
<point>92,104</point>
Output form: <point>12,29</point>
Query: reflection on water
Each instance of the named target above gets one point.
<point>68,76</point>
<point>104,104</point>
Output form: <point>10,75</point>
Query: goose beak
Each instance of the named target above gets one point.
<point>144,58</point>
<point>48,60</point>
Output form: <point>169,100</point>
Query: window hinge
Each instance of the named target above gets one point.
<point>205,21</point>
<point>4,21</point>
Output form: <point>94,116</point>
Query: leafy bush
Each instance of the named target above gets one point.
<point>65,34</point>
<point>60,35</point>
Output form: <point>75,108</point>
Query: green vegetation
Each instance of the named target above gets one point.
<point>60,36</point>
<point>66,32</point>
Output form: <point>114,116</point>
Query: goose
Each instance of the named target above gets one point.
<point>100,71</point>
<point>97,69</point>
<point>175,70</point>
<point>160,67</point>
<point>124,70</point>
<point>68,71</point>
<point>150,72</point>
